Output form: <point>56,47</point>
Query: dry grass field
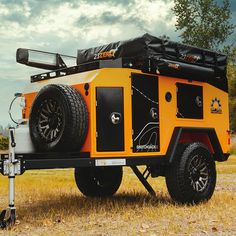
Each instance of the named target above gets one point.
<point>233,144</point>
<point>48,203</point>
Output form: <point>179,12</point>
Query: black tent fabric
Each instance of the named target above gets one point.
<point>151,46</point>
<point>164,53</point>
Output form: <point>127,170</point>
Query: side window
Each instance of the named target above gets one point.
<point>189,101</point>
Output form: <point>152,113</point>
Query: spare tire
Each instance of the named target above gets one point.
<point>58,119</point>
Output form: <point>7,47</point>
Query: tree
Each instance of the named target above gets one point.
<point>1,129</point>
<point>231,74</point>
<point>203,23</point>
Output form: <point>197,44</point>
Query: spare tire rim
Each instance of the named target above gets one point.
<point>50,120</point>
<point>198,173</point>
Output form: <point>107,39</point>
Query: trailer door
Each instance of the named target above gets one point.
<point>110,119</point>
<point>145,113</point>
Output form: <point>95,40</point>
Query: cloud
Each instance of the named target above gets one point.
<point>65,26</point>
<point>28,20</point>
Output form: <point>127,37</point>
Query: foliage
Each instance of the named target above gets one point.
<point>4,137</point>
<point>231,74</point>
<point>3,143</point>
<point>203,23</point>
<point>4,130</point>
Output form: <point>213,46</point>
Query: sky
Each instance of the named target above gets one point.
<point>65,26</point>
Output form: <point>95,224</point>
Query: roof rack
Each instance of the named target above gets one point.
<point>146,53</point>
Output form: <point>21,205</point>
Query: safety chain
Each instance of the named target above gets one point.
<point>145,96</point>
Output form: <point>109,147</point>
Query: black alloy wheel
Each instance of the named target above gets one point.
<point>192,177</point>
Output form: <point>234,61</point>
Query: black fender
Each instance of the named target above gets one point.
<point>218,154</point>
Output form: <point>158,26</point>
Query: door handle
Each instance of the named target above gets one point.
<point>116,118</point>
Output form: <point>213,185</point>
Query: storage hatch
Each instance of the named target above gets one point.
<point>189,101</point>
<point>110,119</point>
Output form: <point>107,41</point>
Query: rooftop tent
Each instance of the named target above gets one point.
<point>168,57</point>
<point>151,46</point>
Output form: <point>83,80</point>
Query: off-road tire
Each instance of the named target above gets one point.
<point>58,119</point>
<point>98,181</point>
<point>192,177</point>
